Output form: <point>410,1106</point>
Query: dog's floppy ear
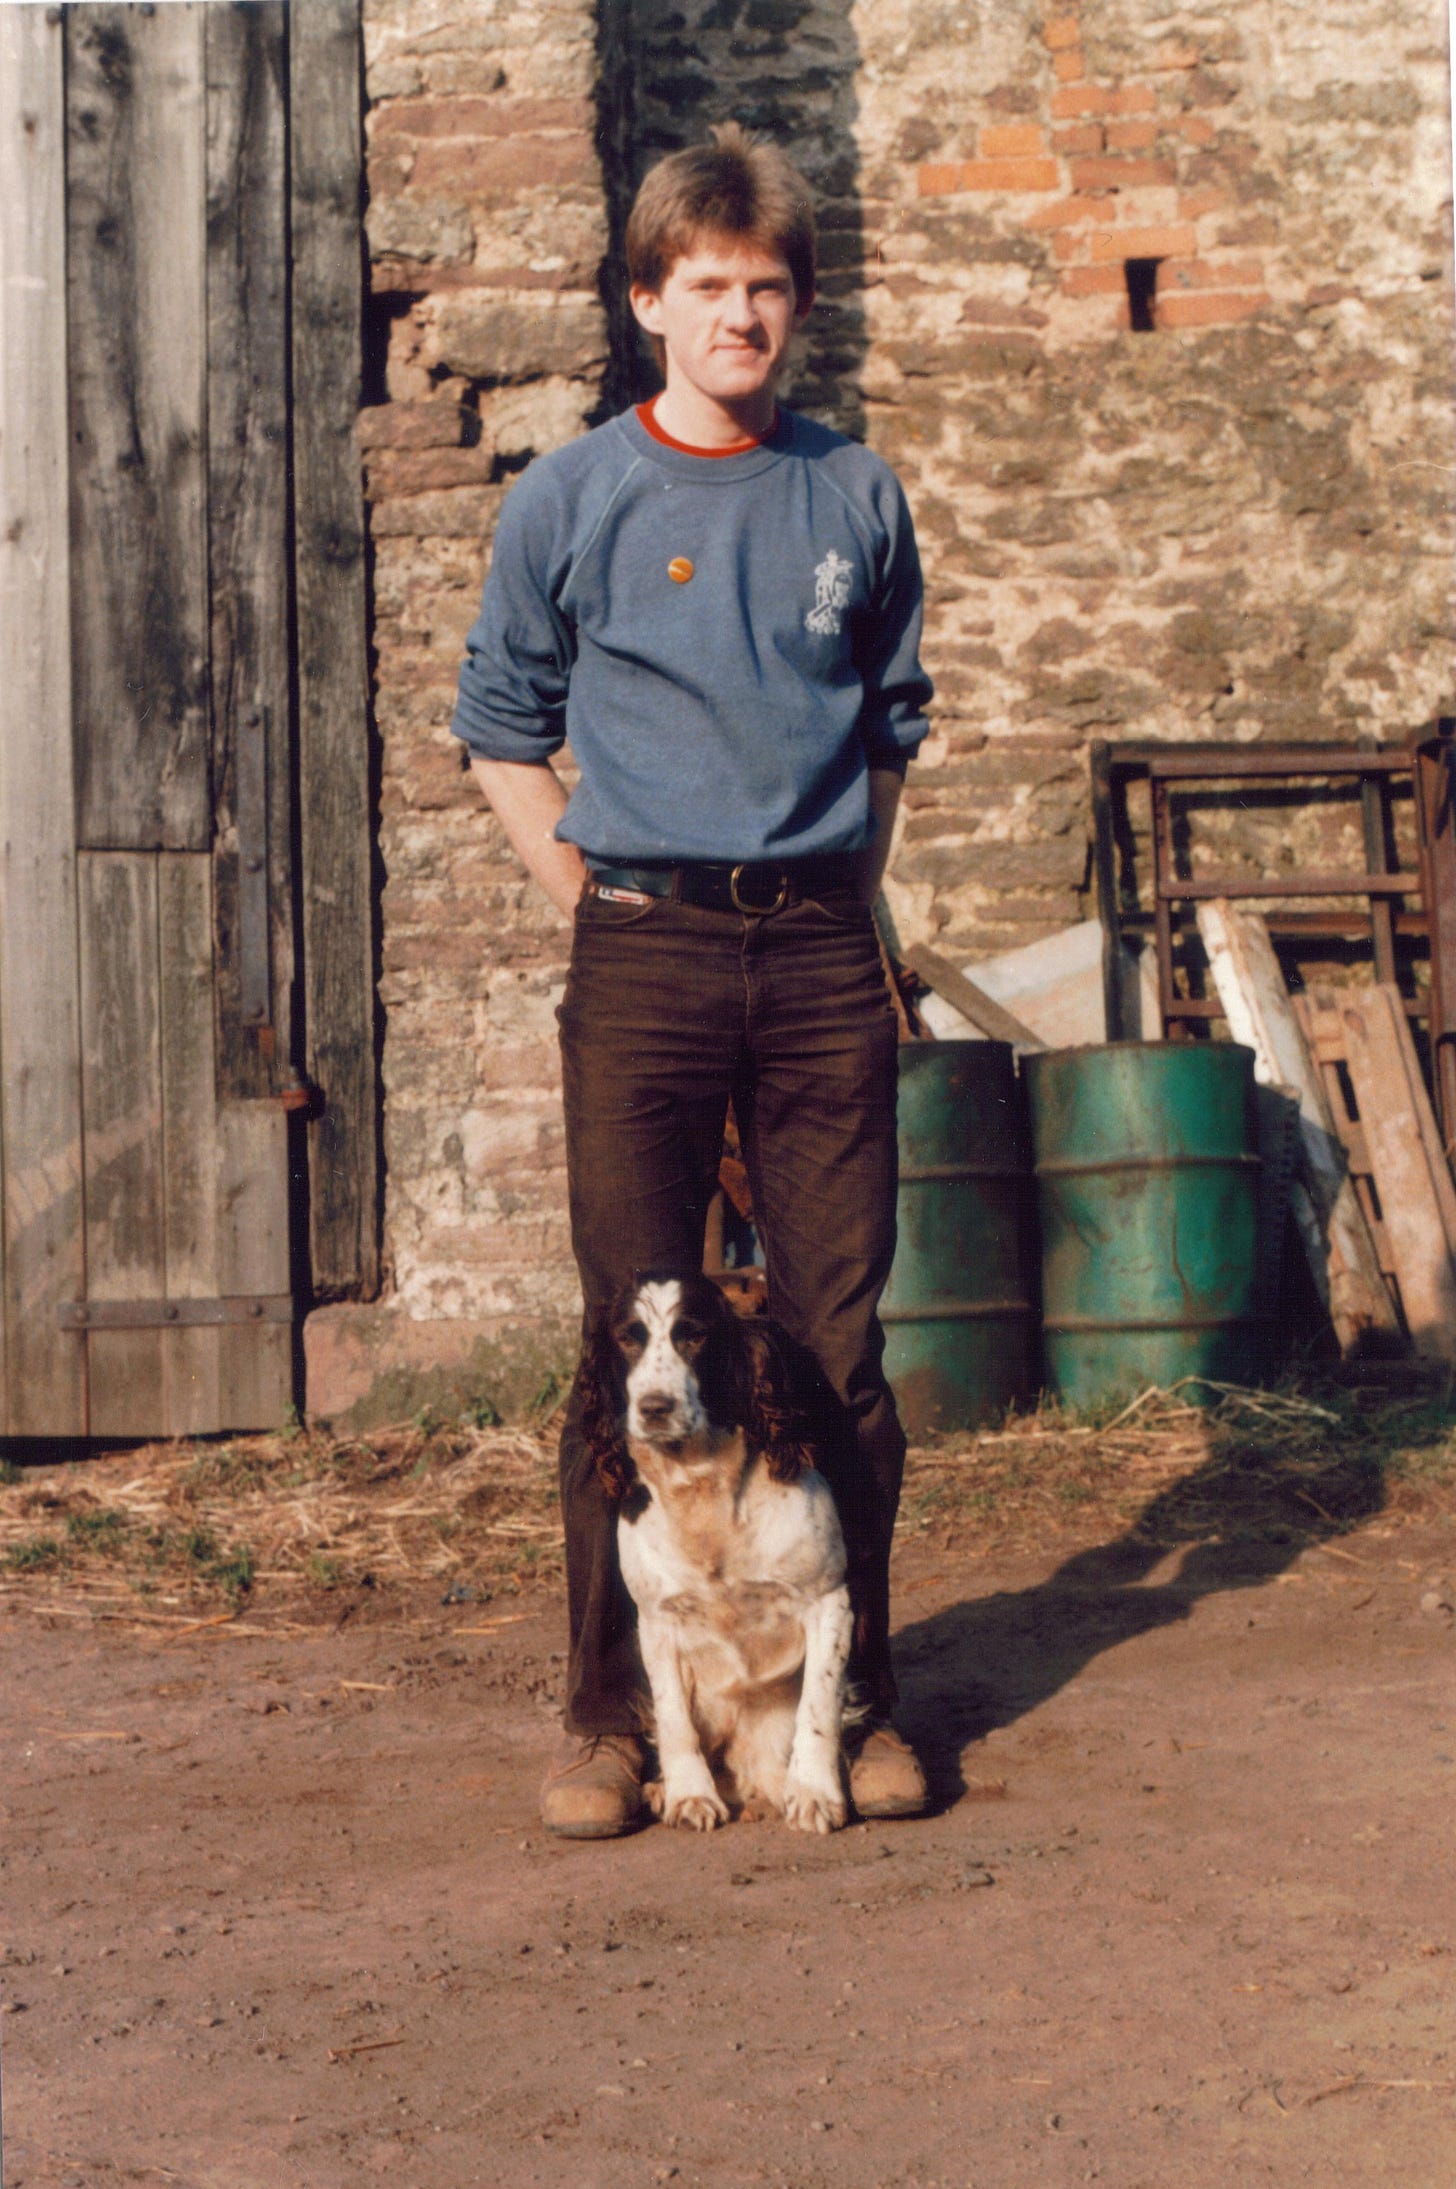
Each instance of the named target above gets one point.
<point>600,1379</point>
<point>777,1424</point>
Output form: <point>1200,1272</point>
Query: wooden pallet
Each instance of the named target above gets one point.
<point>1342,1256</point>
<point>1361,1041</point>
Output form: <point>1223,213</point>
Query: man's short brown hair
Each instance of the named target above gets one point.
<point>736,186</point>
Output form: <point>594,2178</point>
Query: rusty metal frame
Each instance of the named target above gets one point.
<point>1164,767</point>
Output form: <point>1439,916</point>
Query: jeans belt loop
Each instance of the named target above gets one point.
<point>757,911</point>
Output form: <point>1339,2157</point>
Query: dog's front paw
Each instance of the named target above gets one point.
<point>699,1812</point>
<point>814,1808</point>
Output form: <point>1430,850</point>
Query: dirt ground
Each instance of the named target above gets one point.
<point>278,1914</point>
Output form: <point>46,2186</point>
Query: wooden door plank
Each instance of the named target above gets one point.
<point>189,1135</point>
<point>135,232</point>
<point>1336,1237</point>
<point>255,1363</point>
<point>333,708</point>
<point>43,1374</point>
<point>247,490</point>
<point>226,1187</point>
<point>1391,1100</point>
<point>121,1081</point>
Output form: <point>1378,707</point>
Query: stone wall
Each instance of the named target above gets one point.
<point>1230,521</point>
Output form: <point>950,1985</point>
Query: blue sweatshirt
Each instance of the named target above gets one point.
<point>729,643</point>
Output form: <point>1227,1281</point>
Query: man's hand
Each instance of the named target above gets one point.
<point>528,801</point>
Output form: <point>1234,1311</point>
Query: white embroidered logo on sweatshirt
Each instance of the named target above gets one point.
<point>831,596</point>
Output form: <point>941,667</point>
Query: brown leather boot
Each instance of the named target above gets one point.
<point>593,1786</point>
<point>885,1778</point>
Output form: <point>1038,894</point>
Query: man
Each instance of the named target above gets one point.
<point>719,604</point>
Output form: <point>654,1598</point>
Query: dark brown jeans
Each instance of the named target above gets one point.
<point>669,1011</point>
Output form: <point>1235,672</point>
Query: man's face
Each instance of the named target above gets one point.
<point>726,313</point>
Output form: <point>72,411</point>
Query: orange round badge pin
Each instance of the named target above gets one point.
<point>679,569</point>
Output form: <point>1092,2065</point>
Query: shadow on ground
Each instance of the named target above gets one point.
<point>1234,1522</point>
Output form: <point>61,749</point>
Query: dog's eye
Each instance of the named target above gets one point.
<point>632,1337</point>
<point>688,1337</point>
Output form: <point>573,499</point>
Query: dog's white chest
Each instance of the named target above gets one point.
<point>734,1568</point>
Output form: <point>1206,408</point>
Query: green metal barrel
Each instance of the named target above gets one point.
<point>959,1311</point>
<point>1147,1187</point>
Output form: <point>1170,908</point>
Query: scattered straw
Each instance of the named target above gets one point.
<point>165,1535</point>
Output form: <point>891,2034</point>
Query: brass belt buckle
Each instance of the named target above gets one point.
<point>756,911</point>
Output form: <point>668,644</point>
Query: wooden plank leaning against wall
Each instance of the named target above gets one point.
<point>40,1113</point>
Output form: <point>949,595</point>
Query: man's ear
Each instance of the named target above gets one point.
<point>646,307</point>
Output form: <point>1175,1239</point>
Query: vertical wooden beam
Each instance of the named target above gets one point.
<point>40,1109</point>
<point>333,684</point>
<point>189,1136</point>
<point>121,1079</point>
<point>247,495</point>
<point>135,267</point>
<point>225,1175</point>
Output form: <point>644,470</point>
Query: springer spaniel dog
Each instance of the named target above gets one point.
<point>731,1549</point>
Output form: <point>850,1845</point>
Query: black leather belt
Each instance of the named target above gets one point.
<point>754,887</point>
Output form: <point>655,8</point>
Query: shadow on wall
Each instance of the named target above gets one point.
<point>785,69</point>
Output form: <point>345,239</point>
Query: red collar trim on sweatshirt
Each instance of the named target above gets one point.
<point>649,424</point>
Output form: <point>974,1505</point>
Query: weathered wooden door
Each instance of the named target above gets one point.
<point>182,645</point>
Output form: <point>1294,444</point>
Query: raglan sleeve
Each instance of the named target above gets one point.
<point>511,702</point>
<point>887,640</point>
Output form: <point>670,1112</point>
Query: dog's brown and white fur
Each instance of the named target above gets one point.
<point>731,1548</point>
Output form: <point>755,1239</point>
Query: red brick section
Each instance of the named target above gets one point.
<point>989,175</point>
<point>1129,136</point>
<point>1061,31</point>
<point>1176,240</point>
<point>1208,310</point>
<point>1091,281</point>
<point>1011,140</point>
<point>1081,137</point>
<point>1197,273</point>
<point>1074,99</point>
<point>1114,168</point>
<point>502,165</point>
<point>1114,173</point>
<point>1072,212</point>
<point>479,117</point>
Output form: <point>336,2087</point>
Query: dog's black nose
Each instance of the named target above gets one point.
<point>654,1407</point>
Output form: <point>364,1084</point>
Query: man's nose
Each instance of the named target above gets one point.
<point>742,310</point>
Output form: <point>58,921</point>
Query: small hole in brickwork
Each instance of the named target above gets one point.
<point>1141,275</point>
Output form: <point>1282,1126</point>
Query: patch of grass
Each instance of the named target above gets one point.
<point>325,1573</point>
<point>547,1397</point>
<point>102,1531</point>
<point>38,1554</point>
<point>233,1572</point>
<point>228,1468</point>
